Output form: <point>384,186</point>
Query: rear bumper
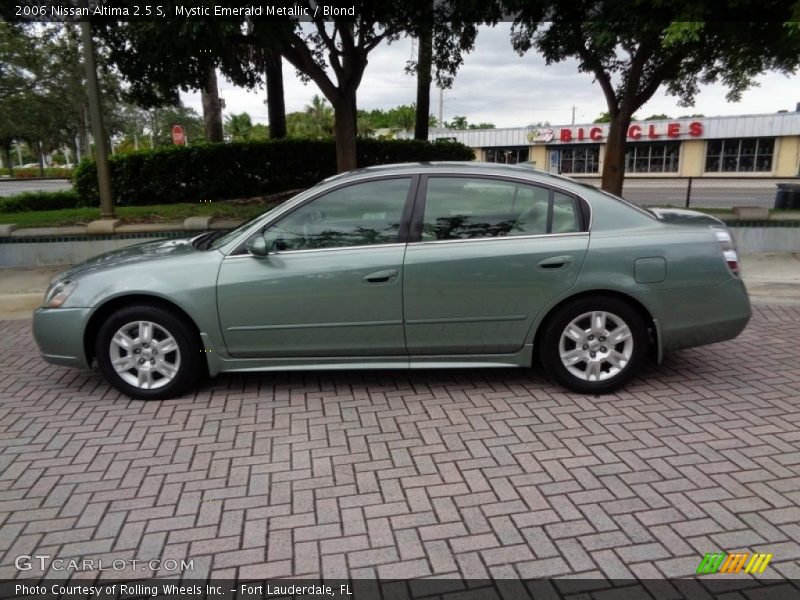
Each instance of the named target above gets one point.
<point>692,317</point>
<point>59,335</point>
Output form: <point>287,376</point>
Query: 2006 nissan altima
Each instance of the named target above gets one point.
<point>407,266</point>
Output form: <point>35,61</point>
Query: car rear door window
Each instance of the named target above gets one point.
<point>565,214</point>
<point>458,208</point>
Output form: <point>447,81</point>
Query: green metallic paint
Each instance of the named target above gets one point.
<point>59,335</point>
<point>313,303</point>
<point>467,303</point>
<point>481,296</point>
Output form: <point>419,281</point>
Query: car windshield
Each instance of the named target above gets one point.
<point>217,242</point>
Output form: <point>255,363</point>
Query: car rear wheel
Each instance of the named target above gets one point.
<point>594,345</point>
<point>148,353</point>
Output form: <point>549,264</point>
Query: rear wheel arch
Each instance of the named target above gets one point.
<point>633,302</point>
<point>109,307</point>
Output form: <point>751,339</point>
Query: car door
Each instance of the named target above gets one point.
<point>485,255</point>
<point>331,283</point>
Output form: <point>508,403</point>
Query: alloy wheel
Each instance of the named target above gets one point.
<point>145,355</point>
<point>596,346</point>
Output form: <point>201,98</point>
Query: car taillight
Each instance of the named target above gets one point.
<point>728,246</point>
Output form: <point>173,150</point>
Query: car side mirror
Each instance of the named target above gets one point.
<point>257,246</point>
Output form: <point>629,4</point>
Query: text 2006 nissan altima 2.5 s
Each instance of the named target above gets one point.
<point>407,266</point>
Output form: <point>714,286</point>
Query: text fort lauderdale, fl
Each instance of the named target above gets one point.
<point>140,589</point>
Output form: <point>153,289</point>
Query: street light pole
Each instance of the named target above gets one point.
<point>98,131</point>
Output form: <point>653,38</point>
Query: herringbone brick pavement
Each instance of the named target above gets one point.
<point>393,474</point>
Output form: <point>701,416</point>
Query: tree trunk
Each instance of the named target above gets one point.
<point>9,162</point>
<point>212,112</point>
<point>84,149</point>
<point>424,60</point>
<point>276,108</point>
<point>345,130</point>
<point>40,157</point>
<point>614,158</point>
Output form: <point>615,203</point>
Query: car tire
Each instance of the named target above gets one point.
<point>148,353</point>
<point>594,345</point>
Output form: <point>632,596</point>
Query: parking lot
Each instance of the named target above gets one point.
<point>393,474</point>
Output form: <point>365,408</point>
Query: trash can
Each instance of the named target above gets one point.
<point>787,196</point>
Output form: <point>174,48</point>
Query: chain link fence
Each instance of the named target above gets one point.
<point>10,185</point>
<point>709,192</point>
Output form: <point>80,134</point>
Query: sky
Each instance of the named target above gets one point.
<point>496,85</point>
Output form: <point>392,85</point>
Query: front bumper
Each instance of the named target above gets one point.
<point>59,334</point>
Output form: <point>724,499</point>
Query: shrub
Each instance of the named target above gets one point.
<point>243,169</point>
<point>40,200</point>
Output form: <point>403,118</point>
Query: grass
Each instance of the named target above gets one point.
<point>157,213</point>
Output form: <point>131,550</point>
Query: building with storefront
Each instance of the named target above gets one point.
<point>749,145</point>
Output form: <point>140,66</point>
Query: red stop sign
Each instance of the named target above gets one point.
<point>178,135</point>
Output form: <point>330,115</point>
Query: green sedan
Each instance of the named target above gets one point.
<point>407,266</point>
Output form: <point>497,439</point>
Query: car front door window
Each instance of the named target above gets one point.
<point>363,214</point>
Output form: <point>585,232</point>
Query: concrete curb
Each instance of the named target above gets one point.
<point>102,226</point>
<point>112,226</point>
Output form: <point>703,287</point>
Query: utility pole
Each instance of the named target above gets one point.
<point>573,114</point>
<point>98,131</point>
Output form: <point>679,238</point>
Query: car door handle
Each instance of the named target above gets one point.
<point>555,262</point>
<point>381,276</point>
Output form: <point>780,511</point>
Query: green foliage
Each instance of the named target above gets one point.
<point>316,121</point>
<point>41,200</point>
<point>42,89</point>
<point>460,122</point>
<point>243,169</point>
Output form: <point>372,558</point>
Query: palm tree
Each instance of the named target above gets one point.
<point>320,115</point>
<point>238,127</point>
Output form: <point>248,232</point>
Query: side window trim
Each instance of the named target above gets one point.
<point>405,219</point>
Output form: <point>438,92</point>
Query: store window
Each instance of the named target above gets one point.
<point>652,157</point>
<point>579,159</point>
<point>508,156</point>
<point>739,155</point>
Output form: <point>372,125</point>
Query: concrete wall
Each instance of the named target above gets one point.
<point>788,157</point>
<point>538,154</point>
<point>766,239</point>
<point>693,158</point>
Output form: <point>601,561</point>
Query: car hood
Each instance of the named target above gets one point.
<point>681,216</point>
<point>137,253</point>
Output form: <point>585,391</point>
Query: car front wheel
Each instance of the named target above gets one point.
<point>148,353</point>
<point>594,345</point>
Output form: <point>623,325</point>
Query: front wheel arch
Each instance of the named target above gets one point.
<point>654,341</point>
<point>111,306</point>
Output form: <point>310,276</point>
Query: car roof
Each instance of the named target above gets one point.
<point>467,168</point>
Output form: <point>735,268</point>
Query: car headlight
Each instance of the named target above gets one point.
<point>58,293</point>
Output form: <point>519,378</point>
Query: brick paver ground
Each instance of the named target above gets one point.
<point>395,474</point>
